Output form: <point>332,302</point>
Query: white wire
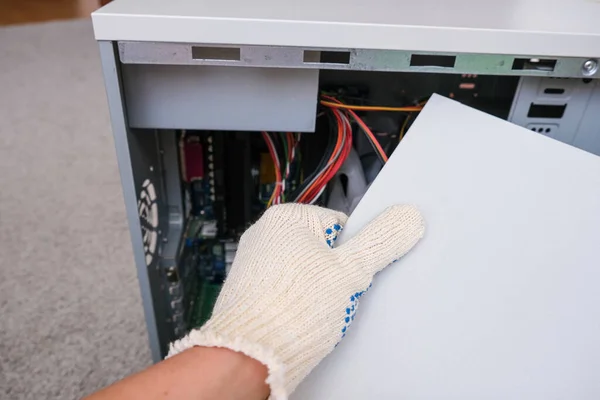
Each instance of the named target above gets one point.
<point>315,178</point>
<point>313,201</point>
<point>290,161</point>
<point>272,147</point>
<point>277,200</point>
<point>333,160</point>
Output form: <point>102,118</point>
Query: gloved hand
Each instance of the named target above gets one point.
<point>290,296</point>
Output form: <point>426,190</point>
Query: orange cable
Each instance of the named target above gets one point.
<point>371,108</point>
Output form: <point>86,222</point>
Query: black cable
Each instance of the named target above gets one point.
<point>360,129</point>
<point>279,148</point>
<point>310,177</point>
<point>298,166</point>
<point>373,145</point>
<point>331,141</point>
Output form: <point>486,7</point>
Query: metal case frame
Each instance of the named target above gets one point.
<point>148,158</point>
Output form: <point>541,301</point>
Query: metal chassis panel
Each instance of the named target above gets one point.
<point>147,158</point>
<point>579,125</point>
<point>359,59</point>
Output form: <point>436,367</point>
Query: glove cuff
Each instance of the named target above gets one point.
<point>210,338</point>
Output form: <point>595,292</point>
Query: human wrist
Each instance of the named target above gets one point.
<point>210,336</point>
<point>243,377</point>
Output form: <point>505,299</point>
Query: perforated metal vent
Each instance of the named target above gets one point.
<point>148,210</point>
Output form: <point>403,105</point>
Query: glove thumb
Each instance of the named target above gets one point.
<point>385,239</point>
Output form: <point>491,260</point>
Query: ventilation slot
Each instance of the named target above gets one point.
<point>535,64</point>
<point>425,60</point>
<point>546,111</point>
<point>216,53</point>
<point>326,57</point>
<point>554,91</point>
<point>148,211</point>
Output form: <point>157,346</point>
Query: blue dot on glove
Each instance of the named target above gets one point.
<point>351,310</point>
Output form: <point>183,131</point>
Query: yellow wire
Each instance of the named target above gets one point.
<point>371,108</point>
<point>403,128</point>
<point>272,197</point>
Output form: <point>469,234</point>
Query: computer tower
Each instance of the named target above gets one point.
<point>214,126</point>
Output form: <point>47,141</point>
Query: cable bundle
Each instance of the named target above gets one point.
<point>336,105</point>
<point>314,185</point>
<point>290,144</point>
<point>338,148</point>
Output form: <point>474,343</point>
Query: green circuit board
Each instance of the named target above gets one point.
<point>203,304</point>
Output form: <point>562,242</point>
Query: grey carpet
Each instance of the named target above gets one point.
<point>71,320</point>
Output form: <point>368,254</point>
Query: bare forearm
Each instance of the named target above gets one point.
<point>200,373</point>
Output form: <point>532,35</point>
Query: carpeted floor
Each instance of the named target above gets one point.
<point>71,319</point>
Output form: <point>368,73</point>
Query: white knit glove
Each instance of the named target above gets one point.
<point>290,296</point>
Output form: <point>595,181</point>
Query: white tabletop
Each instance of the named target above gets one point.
<point>529,27</point>
<point>501,298</point>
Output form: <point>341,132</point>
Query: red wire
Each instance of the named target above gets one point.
<point>364,127</point>
<point>370,134</point>
<point>328,174</point>
<point>333,169</point>
<point>291,144</point>
<point>276,163</point>
<point>317,185</point>
<point>332,99</point>
<point>306,197</point>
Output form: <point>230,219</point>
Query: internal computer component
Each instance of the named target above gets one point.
<point>230,178</point>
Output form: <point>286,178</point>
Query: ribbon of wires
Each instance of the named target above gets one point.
<point>339,145</point>
<point>289,142</point>
<point>336,105</point>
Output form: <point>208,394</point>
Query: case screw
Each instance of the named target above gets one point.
<point>589,67</point>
